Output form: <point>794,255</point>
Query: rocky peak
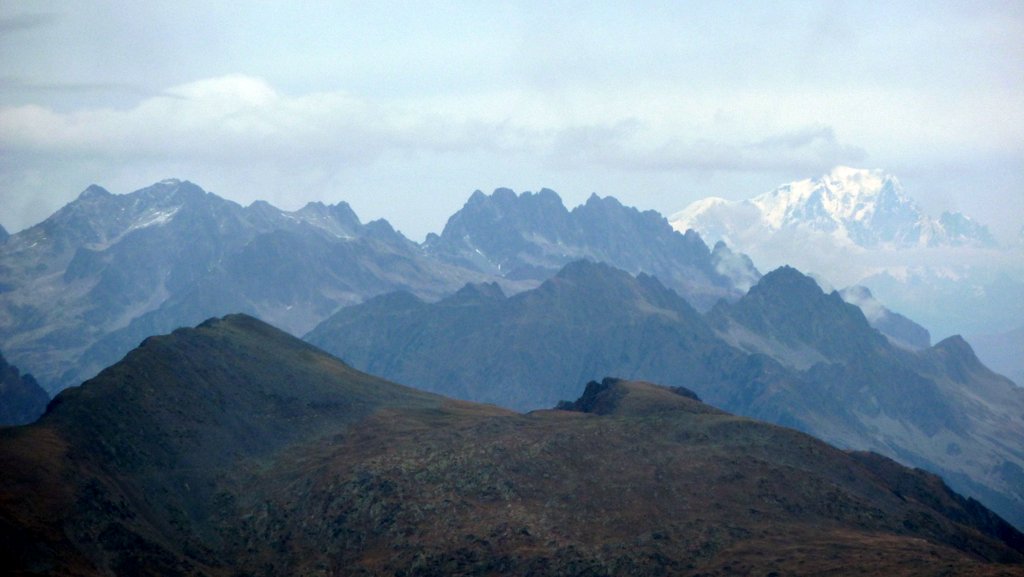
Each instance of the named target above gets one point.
<point>594,202</point>
<point>789,307</point>
<point>597,286</point>
<point>620,397</point>
<point>478,292</point>
<point>787,282</point>
<point>958,358</point>
<point>171,191</point>
<point>338,219</point>
<point>94,191</point>
<point>608,210</point>
<point>526,211</point>
<point>381,229</point>
<point>956,346</point>
<point>342,212</point>
<point>504,195</point>
<point>589,273</point>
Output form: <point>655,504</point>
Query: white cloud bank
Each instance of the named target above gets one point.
<point>239,124</point>
<point>238,117</point>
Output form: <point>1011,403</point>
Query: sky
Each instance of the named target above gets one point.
<point>404,109</point>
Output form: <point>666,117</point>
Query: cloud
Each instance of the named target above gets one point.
<point>630,144</point>
<point>239,118</point>
<point>247,139</point>
<point>236,118</point>
<point>821,138</point>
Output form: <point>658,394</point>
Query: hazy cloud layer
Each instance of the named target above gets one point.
<point>241,118</point>
<point>404,111</point>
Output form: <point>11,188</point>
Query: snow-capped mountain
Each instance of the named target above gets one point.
<point>859,227</point>
<point>858,207</point>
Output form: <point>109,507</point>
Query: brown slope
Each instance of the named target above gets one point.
<point>657,484</point>
<point>233,449</point>
<point>126,471</point>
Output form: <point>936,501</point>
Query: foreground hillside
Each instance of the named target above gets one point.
<point>239,450</point>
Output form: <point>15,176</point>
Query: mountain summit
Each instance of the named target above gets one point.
<point>865,208</point>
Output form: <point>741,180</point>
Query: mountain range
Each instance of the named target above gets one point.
<point>786,352</point>
<point>83,287</point>
<point>235,449</point>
